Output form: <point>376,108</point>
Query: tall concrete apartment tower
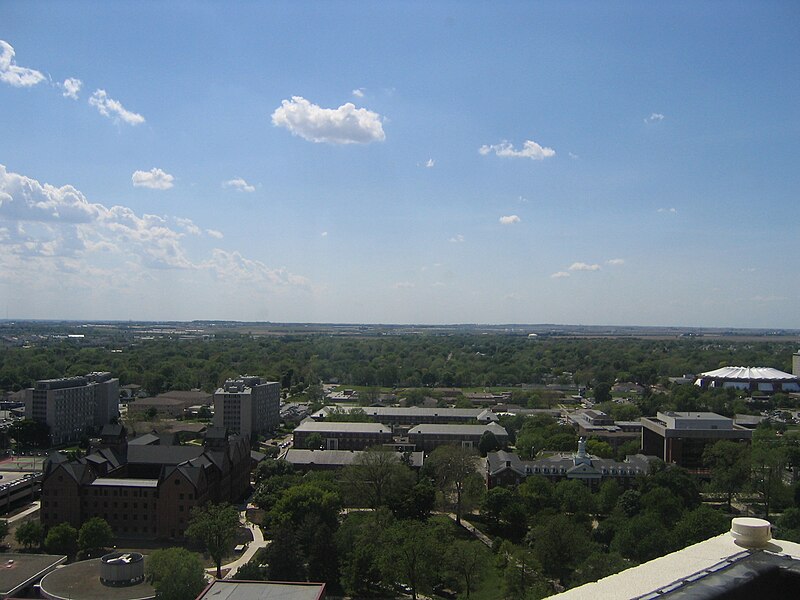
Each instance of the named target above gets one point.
<point>796,364</point>
<point>71,405</point>
<point>247,405</point>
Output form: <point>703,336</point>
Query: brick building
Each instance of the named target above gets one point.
<point>144,490</point>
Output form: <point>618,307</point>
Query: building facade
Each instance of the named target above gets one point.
<point>72,406</point>
<point>248,405</point>
<point>145,491</point>
<point>681,437</point>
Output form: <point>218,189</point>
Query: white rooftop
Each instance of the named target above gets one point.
<point>749,374</point>
<point>684,565</point>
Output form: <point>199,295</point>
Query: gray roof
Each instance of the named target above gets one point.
<point>262,590</point>
<point>311,426</point>
<point>458,429</point>
<point>414,411</point>
<point>26,569</point>
<point>118,482</point>
<point>162,455</point>
<point>335,458</point>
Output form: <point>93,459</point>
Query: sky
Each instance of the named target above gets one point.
<point>596,163</point>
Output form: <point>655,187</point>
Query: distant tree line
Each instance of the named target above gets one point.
<point>391,361</point>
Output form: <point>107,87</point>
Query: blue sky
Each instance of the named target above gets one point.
<point>415,162</point>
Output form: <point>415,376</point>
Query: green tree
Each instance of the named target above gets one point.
<point>730,467</point>
<point>29,534</point>
<point>3,529</point>
<point>374,475</point>
<point>214,526</point>
<point>767,465</point>
<point>411,555</point>
<point>285,561</point>
<point>175,573</point>
<point>488,443</point>
<point>456,472</point>
<point>314,441</point>
<point>560,544</point>
<point>599,448</point>
<point>699,524</point>
<point>308,498</point>
<point>414,501</point>
<point>467,560</point>
<point>269,468</point>
<point>62,539</point>
<point>95,534</point>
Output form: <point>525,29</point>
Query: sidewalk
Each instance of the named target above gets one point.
<point>252,547</point>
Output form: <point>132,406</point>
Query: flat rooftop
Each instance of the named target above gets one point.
<point>81,581</point>
<point>262,590</point>
<point>24,570</point>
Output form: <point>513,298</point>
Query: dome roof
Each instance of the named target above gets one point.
<point>749,374</point>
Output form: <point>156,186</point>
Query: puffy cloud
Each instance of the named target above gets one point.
<point>671,211</point>
<point>509,220</point>
<point>232,265</point>
<point>113,109</point>
<point>530,149</point>
<point>324,234</point>
<point>13,74</point>
<point>358,92</point>
<point>344,125</point>
<point>616,261</point>
<point>456,239</point>
<point>239,184</point>
<point>58,225</point>
<point>188,225</point>
<point>582,266</point>
<point>155,179</point>
<point>430,163</point>
<point>71,87</point>
<point>654,118</point>
<point>560,275</point>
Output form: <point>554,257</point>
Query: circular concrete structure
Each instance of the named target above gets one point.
<point>81,581</point>
<point>122,568</point>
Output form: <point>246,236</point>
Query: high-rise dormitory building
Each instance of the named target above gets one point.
<point>248,405</point>
<point>72,406</point>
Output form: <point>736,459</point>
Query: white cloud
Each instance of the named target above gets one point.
<point>113,109</point>
<point>155,179</point>
<point>324,234</point>
<point>616,261</point>
<point>582,266</point>
<point>559,275</point>
<point>188,225</point>
<point>403,285</point>
<point>239,184</point>
<point>456,239</point>
<point>574,156</point>
<point>671,211</point>
<point>59,225</point>
<point>430,163</point>
<point>509,220</point>
<point>13,74</point>
<point>215,234</point>
<point>358,92</point>
<point>530,149</point>
<point>71,87</point>
<point>654,118</point>
<point>344,125</point>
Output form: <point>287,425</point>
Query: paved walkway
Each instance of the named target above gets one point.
<point>28,511</point>
<point>252,547</point>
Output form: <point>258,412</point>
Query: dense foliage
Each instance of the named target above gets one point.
<point>408,361</point>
